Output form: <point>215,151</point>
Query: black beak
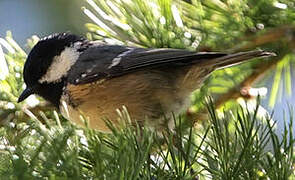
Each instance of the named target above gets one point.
<point>26,93</point>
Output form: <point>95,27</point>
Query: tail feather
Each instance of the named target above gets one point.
<point>236,58</point>
<point>203,67</point>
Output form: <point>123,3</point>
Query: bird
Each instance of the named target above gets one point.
<point>96,79</point>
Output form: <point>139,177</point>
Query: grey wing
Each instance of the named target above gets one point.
<point>108,61</point>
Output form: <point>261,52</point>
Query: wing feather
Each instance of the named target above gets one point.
<point>100,61</point>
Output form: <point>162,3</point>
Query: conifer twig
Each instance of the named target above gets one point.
<point>242,90</point>
<point>286,34</point>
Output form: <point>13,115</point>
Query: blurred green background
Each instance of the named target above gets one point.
<point>40,17</point>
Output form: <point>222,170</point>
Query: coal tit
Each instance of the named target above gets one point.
<point>95,79</point>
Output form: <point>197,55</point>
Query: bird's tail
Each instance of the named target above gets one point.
<point>235,58</point>
<point>205,65</point>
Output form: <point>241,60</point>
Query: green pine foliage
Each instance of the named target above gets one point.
<point>238,141</point>
<point>60,150</point>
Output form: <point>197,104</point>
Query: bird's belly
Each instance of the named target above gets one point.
<point>85,116</point>
<point>150,112</point>
<point>146,96</point>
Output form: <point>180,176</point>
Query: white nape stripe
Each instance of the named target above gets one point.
<point>117,59</point>
<point>61,65</point>
<point>156,50</point>
<point>115,62</point>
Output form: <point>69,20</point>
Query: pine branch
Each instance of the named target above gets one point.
<point>276,35</point>
<point>242,90</point>
<point>283,33</point>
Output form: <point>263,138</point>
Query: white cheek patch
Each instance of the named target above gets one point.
<point>60,65</point>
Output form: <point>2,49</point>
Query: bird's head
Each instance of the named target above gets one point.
<point>47,65</point>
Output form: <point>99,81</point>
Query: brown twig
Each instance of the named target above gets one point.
<point>259,72</point>
<point>285,34</point>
